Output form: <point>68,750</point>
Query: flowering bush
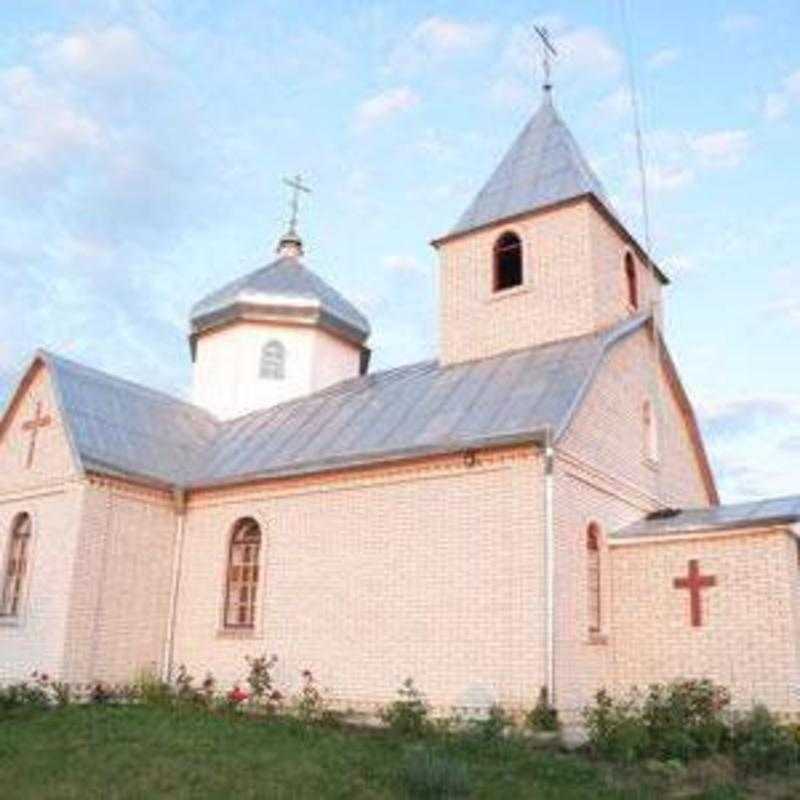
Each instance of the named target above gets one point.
<point>262,690</point>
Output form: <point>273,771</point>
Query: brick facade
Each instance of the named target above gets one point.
<point>573,284</point>
<point>431,570</point>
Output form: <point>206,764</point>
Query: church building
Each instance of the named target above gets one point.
<point>533,508</point>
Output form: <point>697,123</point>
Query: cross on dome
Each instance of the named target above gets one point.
<point>290,244</point>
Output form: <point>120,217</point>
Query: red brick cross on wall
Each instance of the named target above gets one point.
<point>695,583</point>
<point>33,426</point>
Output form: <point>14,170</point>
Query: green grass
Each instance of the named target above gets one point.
<point>145,752</point>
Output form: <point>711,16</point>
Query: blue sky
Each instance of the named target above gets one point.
<point>142,146</point>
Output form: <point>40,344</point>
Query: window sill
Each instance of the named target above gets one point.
<point>502,294</point>
<point>597,639</point>
<point>10,622</point>
<point>238,633</point>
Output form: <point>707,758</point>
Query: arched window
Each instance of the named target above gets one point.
<point>15,566</point>
<point>507,262</point>
<point>650,424</point>
<point>241,584</point>
<point>593,577</point>
<point>273,361</point>
<point>631,282</point>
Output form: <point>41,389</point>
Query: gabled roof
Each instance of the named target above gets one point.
<point>761,513</point>
<point>283,289</point>
<point>125,429</point>
<point>544,167</point>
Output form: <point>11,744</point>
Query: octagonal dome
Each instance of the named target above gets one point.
<point>283,291</point>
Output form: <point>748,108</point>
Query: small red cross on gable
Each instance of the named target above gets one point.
<point>33,425</point>
<point>695,583</point>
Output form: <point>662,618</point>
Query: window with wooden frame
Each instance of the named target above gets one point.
<point>631,281</point>
<point>507,262</point>
<point>241,582</point>
<point>273,361</point>
<point>16,566</point>
<point>593,586</point>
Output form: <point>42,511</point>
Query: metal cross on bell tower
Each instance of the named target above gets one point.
<point>548,52</point>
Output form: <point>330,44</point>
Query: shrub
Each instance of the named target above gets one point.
<point>426,774</point>
<point>542,717</point>
<point>680,720</point>
<point>616,728</point>
<point>407,716</point>
<point>23,695</point>
<point>262,690</point>
<point>685,719</point>
<point>761,745</point>
<point>310,704</point>
<point>151,690</point>
<point>492,727</point>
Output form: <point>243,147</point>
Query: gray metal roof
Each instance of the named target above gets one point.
<point>774,511</point>
<point>286,288</point>
<point>544,166</point>
<point>126,429</point>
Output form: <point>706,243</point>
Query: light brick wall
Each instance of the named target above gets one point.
<point>122,583</point>
<point>573,283</point>
<point>608,432</point>
<point>608,251</point>
<point>430,570</point>
<point>49,492</point>
<point>584,662</point>
<point>747,640</point>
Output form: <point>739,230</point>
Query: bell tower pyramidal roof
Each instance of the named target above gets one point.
<point>544,167</point>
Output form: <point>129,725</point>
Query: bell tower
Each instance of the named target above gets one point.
<point>539,255</point>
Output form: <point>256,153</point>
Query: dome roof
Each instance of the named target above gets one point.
<point>285,290</point>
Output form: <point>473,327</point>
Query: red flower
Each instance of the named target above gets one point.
<point>237,695</point>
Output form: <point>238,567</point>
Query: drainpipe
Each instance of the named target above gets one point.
<point>179,502</point>
<point>550,572</point>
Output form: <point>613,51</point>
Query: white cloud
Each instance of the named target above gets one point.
<point>678,264</point>
<point>721,149</point>
<point>437,39</point>
<point>449,36</point>
<point>739,22</point>
<point>42,129</point>
<point>384,106</point>
<point>616,104</point>
<point>585,55</point>
<point>663,58</point>
<point>668,178</point>
<point>100,56</point>
<point>401,263</point>
<point>777,104</point>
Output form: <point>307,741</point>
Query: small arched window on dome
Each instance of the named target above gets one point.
<point>507,262</point>
<point>593,588</point>
<point>242,578</point>
<point>631,281</point>
<point>273,361</point>
<point>16,566</point>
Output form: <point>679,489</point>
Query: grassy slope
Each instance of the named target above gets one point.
<point>149,753</point>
